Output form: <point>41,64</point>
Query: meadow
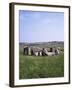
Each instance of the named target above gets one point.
<point>41,66</point>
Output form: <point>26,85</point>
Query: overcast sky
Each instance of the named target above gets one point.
<point>41,26</point>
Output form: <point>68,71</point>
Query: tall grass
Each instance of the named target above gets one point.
<point>41,66</point>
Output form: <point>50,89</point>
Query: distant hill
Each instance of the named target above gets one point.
<point>43,44</point>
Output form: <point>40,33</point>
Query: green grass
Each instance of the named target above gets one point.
<point>41,66</point>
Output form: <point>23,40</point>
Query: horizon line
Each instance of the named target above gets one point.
<point>41,42</point>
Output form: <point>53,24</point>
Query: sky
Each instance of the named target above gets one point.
<point>41,26</point>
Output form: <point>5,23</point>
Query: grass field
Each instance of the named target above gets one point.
<point>41,66</point>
